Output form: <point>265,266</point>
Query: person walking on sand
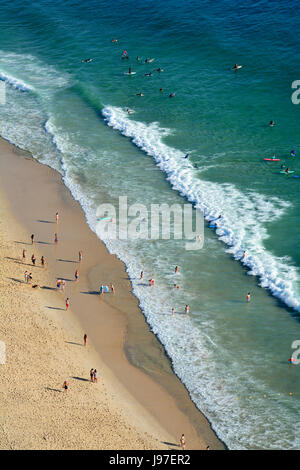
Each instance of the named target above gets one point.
<point>24,255</point>
<point>112,288</point>
<point>95,376</point>
<point>182,441</point>
<point>65,386</point>
<point>76,275</point>
<point>43,261</point>
<point>92,375</point>
<point>67,303</point>
<point>56,238</point>
<point>63,284</point>
<point>57,217</point>
<point>26,276</point>
<point>29,278</point>
<point>32,239</point>
<point>85,339</point>
<point>80,256</point>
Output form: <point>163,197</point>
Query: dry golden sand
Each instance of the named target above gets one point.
<point>35,411</point>
<point>144,407</point>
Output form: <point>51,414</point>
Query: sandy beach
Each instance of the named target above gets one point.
<point>138,402</point>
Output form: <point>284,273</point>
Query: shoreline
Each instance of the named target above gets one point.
<point>115,331</point>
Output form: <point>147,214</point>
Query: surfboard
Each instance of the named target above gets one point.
<point>150,60</point>
<point>132,73</point>
<point>290,171</point>
<point>296,176</point>
<point>272,159</point>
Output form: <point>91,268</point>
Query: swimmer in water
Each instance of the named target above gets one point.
<point>138,58</point>
<point>161,90</point>
<point>282,167</point>
<point>159,70</point>
<point>114,40</point>
<point>148,74</point>
<point>248,297</point>
<point>272,123</point>
<point>293,153</point>
<point>139,94</point>
<point>87,60</point>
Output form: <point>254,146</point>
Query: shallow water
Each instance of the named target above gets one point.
<point>231,355</point>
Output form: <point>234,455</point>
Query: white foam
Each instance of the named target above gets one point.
<point>15,82</point>
<point>27,73</point>
<point>244,215</point>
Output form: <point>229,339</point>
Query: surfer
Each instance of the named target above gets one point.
<point>171,95</point>
<point>236,67</point>
<point>87,60</point>
<point>129,71</point>
<point>287,170</point>
<point>272,123</point>
<point>159,70</point>
<point>139,94</point>
<point>148,74</point>
<point>146,61</point>
<point>187,156</point>
<point>114,40</point>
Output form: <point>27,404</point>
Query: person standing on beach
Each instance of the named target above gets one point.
<point>80,256</point>
<point>76,275</point>
<point>32,239</point>
<point>56,238</point>
<point>24,255</point>
<point>95,376</point>
<point>182,441</point>
<point>33,259</point>
<point>112,288</point>
<point>92,375</point>
<point>85,339</point>
<point>26,276</point>
<point>57,217</point>
<point>29,278</point>
<point>43,261</point>
<point>65,386</point>
<point>67,303</point>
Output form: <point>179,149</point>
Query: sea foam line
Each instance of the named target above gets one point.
<point>243,214</point>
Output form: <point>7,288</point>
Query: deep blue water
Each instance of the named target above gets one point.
<point>232,356</point>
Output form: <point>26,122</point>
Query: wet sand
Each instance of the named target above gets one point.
<point>136,372</point>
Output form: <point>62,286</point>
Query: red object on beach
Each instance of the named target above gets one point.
<point>272,159</point>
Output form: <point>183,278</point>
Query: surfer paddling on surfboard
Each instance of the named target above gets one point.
<point>236,67</point>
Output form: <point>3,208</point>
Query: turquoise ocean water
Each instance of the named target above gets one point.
<point>231,355</point>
